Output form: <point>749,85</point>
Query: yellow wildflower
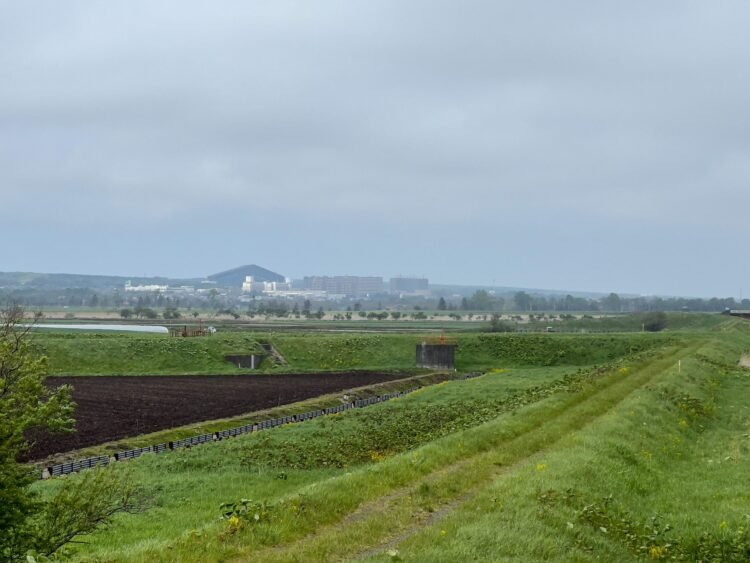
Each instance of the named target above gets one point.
<point>235,523</point>
<point>657,552</point>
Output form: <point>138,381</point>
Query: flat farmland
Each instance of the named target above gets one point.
<point>116,407</point>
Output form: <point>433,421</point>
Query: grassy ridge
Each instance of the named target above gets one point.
<point>71,353</point>
<point>317,351</point>
<point>128,354</point>
<point>550,349</point>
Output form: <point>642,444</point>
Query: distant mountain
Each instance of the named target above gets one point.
<point>43,281</point>
<point>235,276</point>
<point>33,280</point>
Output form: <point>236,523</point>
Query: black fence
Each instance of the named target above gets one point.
<point>75,466</point>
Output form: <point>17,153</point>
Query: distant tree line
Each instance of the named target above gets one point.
<point>140,305</point>
<point>524,302</point>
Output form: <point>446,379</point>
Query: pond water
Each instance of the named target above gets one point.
<point>98,327</point>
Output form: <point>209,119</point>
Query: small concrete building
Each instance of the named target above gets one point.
<point>436,356</point>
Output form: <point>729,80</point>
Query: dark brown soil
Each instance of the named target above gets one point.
<point>115,407</point>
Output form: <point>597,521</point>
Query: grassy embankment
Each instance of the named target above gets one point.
<point>125,354</point>
<point>500,466</point>
<point>89,353</point>
<point>316,352</point>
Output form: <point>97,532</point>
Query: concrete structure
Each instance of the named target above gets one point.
<point>436,356</point>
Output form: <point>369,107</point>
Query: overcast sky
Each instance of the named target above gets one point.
<point>596,145</point>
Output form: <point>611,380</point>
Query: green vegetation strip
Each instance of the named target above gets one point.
<point>137,354</point>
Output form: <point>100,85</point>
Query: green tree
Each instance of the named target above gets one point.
<point>29,524</point>
<point>655,322</point>
<point>25,403</point>
<point>612,302</point>
<point>171,313</point>
<point>213,296</point>
<point>497,325</point>
<point>480,301</point>
<point>522,301</point>
<point>442,305</point>
<point>146,312</point>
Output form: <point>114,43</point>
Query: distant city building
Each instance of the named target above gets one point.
<point>250,285</point>
<point>344,285</point>
<point>145,288</point>
<point>182,289</point>
<point>409,285</point>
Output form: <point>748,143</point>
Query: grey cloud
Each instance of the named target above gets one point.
<point>600,116</point>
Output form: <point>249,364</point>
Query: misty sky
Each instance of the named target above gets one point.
<point>595,145</point>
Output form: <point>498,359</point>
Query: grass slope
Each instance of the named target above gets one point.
<point>315,351</point>
<point>72,353</point>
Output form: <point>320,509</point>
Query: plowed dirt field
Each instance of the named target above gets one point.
<point>112,408</point>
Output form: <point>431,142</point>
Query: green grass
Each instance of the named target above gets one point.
<point>647,456</point>
<point>477,351</point>
<point>189,484</point>
<point>71,353</point>
<point>316,351</point>
<point>526,483</point>
<point>320,351</point>
<point>549,463</point>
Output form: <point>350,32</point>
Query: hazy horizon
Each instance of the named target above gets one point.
<point>586,146</point>
<point>433,283</point>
